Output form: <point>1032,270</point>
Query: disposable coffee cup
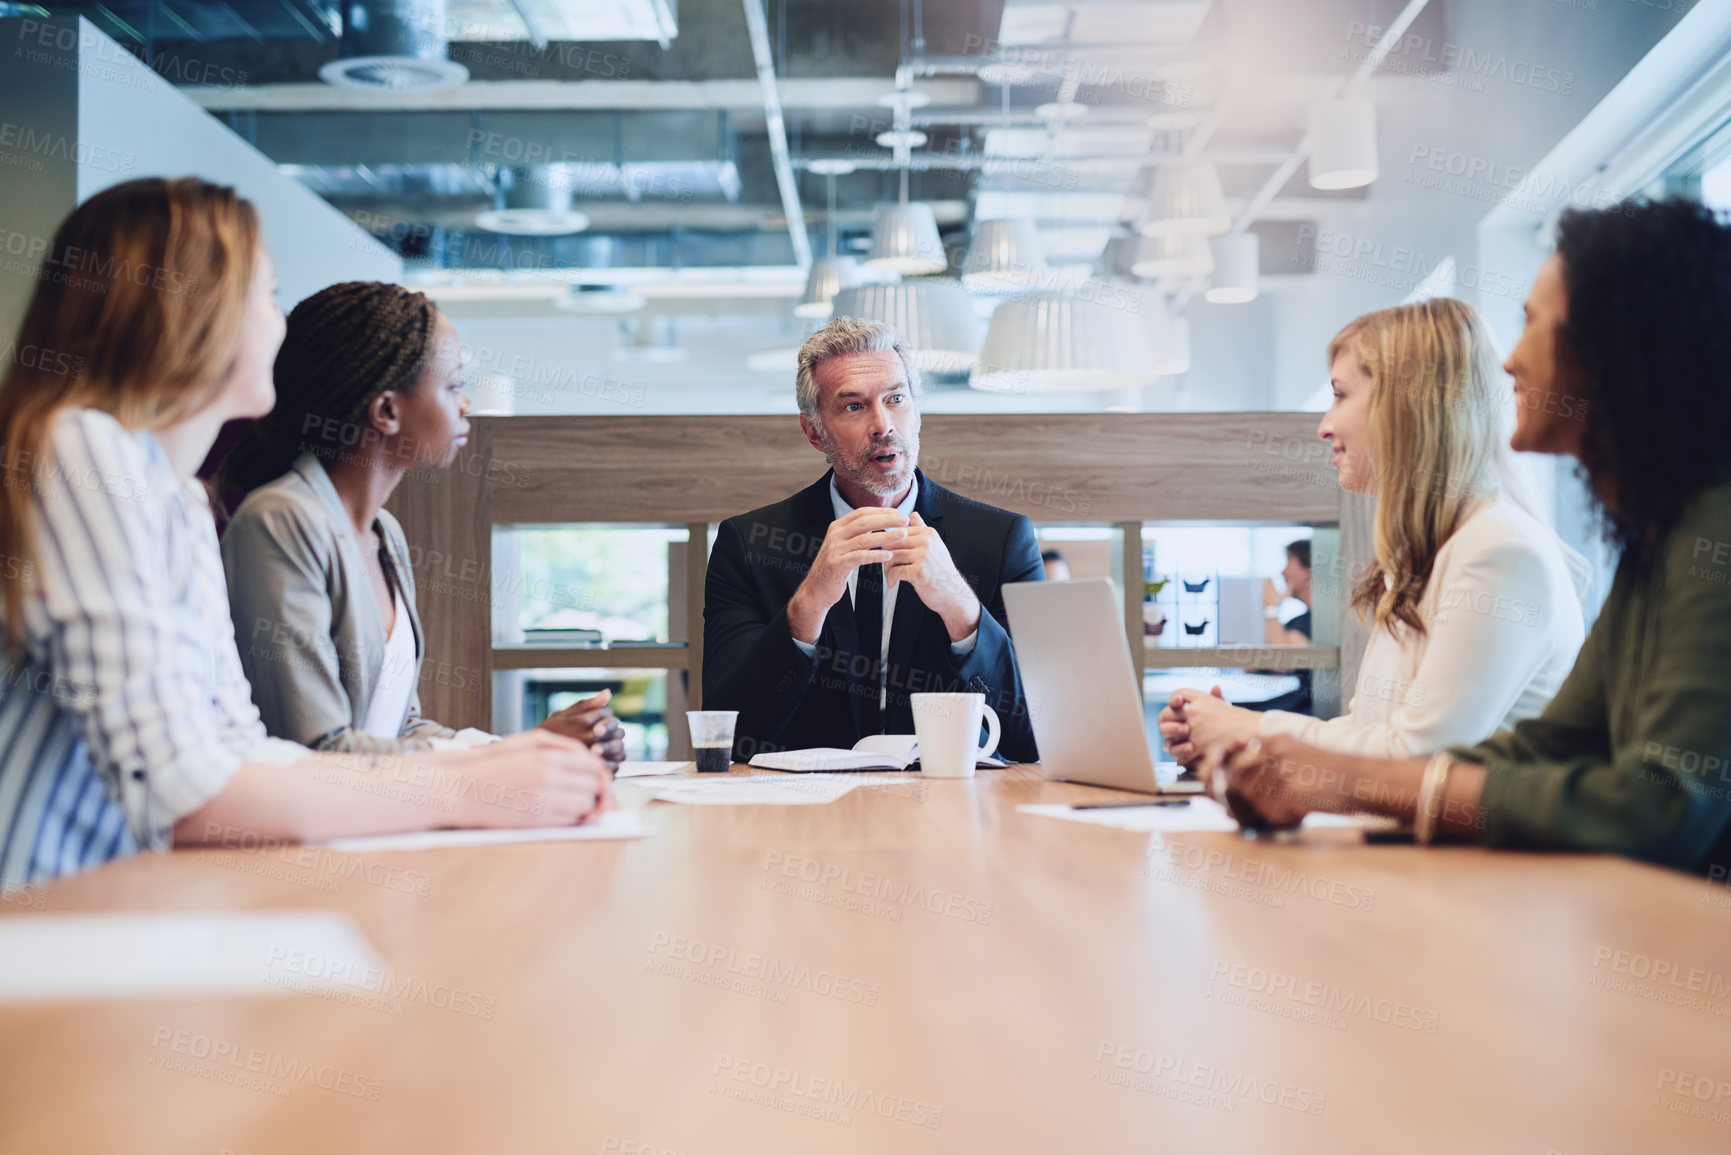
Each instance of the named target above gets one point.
<point>948,727</point>
<point>712,739</point>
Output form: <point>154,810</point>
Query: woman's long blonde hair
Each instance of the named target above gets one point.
<point>137,312</point>
<point>1440,420</point>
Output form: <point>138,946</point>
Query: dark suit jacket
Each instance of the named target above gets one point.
<point>787,701</point>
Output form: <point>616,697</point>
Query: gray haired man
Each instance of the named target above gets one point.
<point>825,611</point>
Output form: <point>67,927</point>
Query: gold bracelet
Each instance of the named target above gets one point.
<point>1430,796</point>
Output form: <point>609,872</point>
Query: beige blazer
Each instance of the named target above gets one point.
<point>311,638</point>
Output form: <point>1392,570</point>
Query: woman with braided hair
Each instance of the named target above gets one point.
<point>320,585</point>
<point>125,719</point>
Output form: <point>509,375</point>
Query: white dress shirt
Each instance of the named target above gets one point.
<point>397,675</point>
<point>1503,626</point>
<point>906,507</point>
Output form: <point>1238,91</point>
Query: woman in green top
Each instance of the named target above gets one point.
<point>1623,366</point>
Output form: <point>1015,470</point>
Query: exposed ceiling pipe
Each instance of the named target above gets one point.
<point>1038,59</point>
<point>394,45</point>
<point>992,118</point>
<point>835,93</point>
<point>532,27</point>
<point>1031,167</point>
<point>777,129</point>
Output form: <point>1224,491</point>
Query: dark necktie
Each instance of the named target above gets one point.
<point>868,614</point>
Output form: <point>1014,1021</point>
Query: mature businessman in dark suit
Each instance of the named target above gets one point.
<point>799,593</point>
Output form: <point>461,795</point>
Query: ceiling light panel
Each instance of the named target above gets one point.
<point>1150,22</point>
<point>583,20</point>
<point>1102,22</point>
<point>1033,24</point>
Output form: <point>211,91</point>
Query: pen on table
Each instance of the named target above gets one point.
<point>1126,805</point>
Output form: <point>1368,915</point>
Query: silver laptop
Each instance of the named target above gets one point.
<point>1082,690</point>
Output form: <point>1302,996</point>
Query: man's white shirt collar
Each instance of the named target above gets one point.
<point>842,508</point>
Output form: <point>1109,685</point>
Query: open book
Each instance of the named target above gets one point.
<point>873,752</point>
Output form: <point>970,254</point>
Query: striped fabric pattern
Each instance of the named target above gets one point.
<point>130,709</point>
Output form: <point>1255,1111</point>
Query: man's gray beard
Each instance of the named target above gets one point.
<point>868,480</point>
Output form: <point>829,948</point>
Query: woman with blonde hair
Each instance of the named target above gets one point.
<point>1621,367</point>
<point>1471,596</point>
<point>125,721</point>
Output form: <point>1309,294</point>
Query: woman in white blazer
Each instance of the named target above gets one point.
<point>1471,596</point>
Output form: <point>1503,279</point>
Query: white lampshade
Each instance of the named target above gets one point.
<point>1186,201</point>
<point>1053,343</point>
<point>1004,257</point>
<point>828,277</point>
<point>1342,144</point>
<point>1237,264</point>
<point>905,240</point>
<point>1173,257</point>
<point>936,317</point>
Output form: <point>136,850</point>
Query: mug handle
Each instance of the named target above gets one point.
<point>994,730</point>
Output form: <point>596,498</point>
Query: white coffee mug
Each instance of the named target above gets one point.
<point>948,727</point>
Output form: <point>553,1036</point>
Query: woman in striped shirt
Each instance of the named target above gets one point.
<point>125,720</point>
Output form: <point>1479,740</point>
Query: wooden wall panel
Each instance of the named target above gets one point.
<point>1107,468</point>
<point>447,517</point>
<point>1052,467</point>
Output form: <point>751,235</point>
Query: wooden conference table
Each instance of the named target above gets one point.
<point>922,968</point>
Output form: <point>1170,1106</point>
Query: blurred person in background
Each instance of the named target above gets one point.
<point>1296,576</point>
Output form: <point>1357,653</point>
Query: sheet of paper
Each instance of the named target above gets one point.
<point>612,824</point>
<point>652,769</point>
<point>54,957</point>
<point>1199,814</point>
<point>754,790</point>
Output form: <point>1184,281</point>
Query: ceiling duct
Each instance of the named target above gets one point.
<point>534,202</point>
<point>1096,22</point>
<point>393,45</point>
<point>677,180</point>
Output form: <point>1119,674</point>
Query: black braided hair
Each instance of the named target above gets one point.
<point>344,346</point>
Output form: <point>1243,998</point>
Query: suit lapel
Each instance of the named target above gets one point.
<point>366,648</point>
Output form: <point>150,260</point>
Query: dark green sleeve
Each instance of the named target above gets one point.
<point>1573,724</point>
<point>1661,791</point>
